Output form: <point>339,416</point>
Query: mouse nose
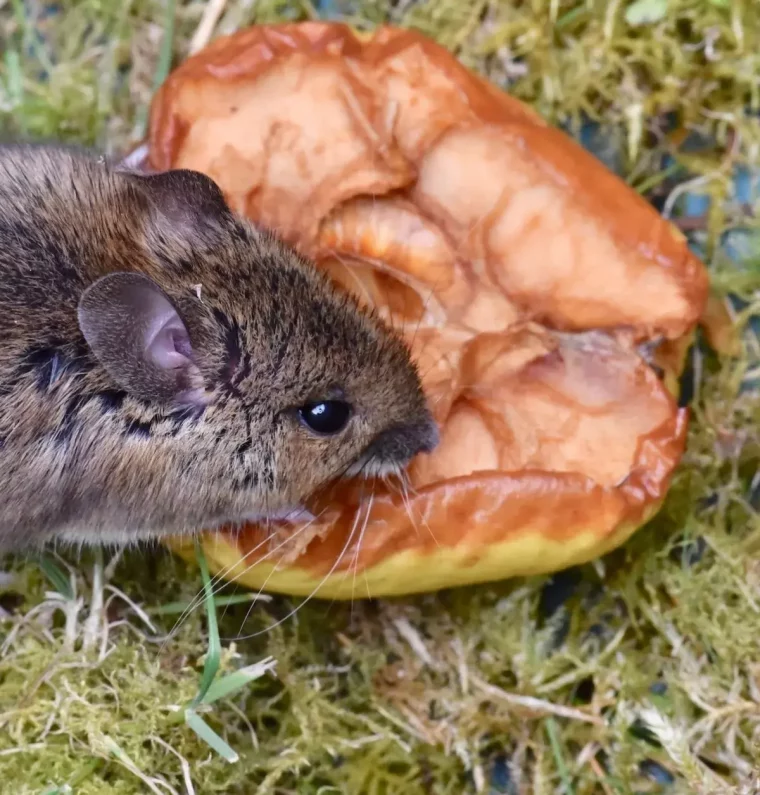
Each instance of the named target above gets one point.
<point>400,443</point>
<point>429,436</point>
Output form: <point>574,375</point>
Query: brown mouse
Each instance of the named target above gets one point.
<point>166,366</point>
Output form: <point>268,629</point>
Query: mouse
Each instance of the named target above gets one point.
<point>168,367</point>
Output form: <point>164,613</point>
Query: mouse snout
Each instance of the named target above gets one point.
<point>397,445</point>
<point>427,436</point>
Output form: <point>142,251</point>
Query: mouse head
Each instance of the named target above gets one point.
<point>276,382</point>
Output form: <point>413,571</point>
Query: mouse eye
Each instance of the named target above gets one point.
<point>325,417</point>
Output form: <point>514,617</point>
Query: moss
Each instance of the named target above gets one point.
<point>657,642</point>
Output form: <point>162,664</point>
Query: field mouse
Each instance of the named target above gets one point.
<point>166,366</point>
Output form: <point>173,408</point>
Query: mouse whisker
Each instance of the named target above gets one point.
<point>406,487</point>
<point>398,487</point>
<point>365,524</point>
<point>251,566</point>
<point>263,585</point>
<point>288,539</point>
<point>220,580</point>
<point>216,584</point>
<point>327,576</point>
<point>359,541</point>
<point>356,550</point>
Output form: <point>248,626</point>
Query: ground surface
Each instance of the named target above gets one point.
<point>659,640</point>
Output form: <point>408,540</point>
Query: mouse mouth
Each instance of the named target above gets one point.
<point>393,449</point>
<point>370,468</point>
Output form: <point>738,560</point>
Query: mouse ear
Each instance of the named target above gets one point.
<point>189,200</point>
<point>138,336</point>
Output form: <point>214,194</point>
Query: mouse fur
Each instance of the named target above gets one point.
<point>155,350</point>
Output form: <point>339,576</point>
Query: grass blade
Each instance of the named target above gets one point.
<point>78,778</point>
<point>14,78</point>
<point>237,680</point>
<point>177,608</point>
<point>164,63</point>
<point>214,652</point>
<point>559,759</point>
<point>56,576</point>
<point>167,46</point>
<point>209,736</point>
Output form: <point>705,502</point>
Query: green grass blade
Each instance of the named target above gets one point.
<point>164,62</point>
<point>19,11</point>
<point>209,736</point>
<point>167,46</point>
<point>15,79</point>
<point>237,680</point>
<point>56,576</point>
<point>214,652</point>
<point>78,778</point>
<point>559,759</point>
<point>177,608</point>
<point>30,41</point>
<point>653,180</point>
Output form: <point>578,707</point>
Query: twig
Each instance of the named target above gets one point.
<point>679,190</point>
<point>596,768</point>
<point>412,637</point>
<point>211,13</point>
<point>95,617</point>
<point>183,763</point>
<point>536,704</point>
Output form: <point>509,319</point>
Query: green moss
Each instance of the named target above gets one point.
<point>657,642</point>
